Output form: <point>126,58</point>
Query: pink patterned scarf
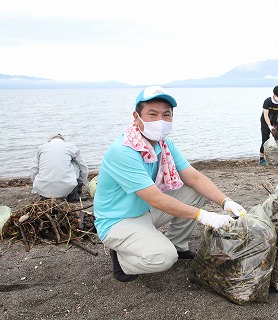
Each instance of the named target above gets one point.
<point>167,177</point>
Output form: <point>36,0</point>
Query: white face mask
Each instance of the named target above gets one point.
<point>156,130</point>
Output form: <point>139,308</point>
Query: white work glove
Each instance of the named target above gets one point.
<point>271,128</point>
<point>213,219</point>
<point>231,206</point>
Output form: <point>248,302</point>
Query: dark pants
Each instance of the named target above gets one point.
<point>73,195</point>
<point>76,192</point>
<point>265,136</point>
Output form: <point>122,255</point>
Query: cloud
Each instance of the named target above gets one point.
<point>144,41</point>
<point>20,30</point>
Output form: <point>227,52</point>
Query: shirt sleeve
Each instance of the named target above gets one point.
<point>266,104</point>
<point>35,165</point>
<point>82,166</point>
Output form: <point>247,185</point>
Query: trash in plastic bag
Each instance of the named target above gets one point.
<point>237,262</point>
<point>271,151</point>
<point>270,206</point>
<point>274,275</point>
<point>93,186</point>
<point>5,213</point>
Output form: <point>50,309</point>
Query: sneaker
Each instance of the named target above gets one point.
<point>188,254</point>
<point>262,162</point>
<point>118,271</point>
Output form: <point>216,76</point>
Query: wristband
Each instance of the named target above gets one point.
<point>222,204</point>
<point>198,214</point>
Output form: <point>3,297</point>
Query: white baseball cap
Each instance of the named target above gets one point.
<point>155,92</point>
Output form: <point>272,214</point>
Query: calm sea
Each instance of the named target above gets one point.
<point>209,123</point>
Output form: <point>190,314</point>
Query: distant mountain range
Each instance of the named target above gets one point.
<point>258,74</point>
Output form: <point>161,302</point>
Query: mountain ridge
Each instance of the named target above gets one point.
<point>257,74</point>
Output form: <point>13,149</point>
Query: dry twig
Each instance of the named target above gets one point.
<point>50,220</point>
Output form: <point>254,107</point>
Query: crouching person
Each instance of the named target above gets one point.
<point>145,183</point>
<point>58,170</point>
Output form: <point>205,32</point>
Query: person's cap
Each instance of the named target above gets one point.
<point>56,135</point>
<point>155,92</point>
<point>275,91</point>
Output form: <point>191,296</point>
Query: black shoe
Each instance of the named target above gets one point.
<point>118,271</point>
<point>82,198</point>
<point>188,254</point>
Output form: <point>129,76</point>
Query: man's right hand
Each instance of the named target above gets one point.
<point>213,219</point>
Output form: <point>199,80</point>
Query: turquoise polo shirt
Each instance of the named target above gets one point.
<point>122,173</point>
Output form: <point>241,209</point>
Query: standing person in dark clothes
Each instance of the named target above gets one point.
<point>269,120</point>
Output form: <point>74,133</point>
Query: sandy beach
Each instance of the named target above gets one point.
<point>61,282</point>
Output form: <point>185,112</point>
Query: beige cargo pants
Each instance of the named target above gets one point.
<point>142,248</point>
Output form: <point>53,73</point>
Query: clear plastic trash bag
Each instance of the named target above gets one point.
<point>271,151</point>
<point>5,213</point>
<point>237,262</point>
<point>270,206</point>
<point>93,186</point>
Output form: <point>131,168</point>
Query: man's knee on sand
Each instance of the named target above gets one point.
<point>162,260</point>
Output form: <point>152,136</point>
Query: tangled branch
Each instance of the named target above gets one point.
<point>53,220</point>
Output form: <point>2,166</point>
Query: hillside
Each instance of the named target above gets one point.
<point>257,74</point>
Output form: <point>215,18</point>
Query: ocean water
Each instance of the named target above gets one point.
<point>209,123</point>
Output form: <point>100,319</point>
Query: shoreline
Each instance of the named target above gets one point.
<point>26,181</point>
<point>17,181</point>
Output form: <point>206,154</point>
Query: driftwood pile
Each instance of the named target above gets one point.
<point>52,221</point>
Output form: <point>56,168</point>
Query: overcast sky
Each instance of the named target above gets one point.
<point>134,41</point>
